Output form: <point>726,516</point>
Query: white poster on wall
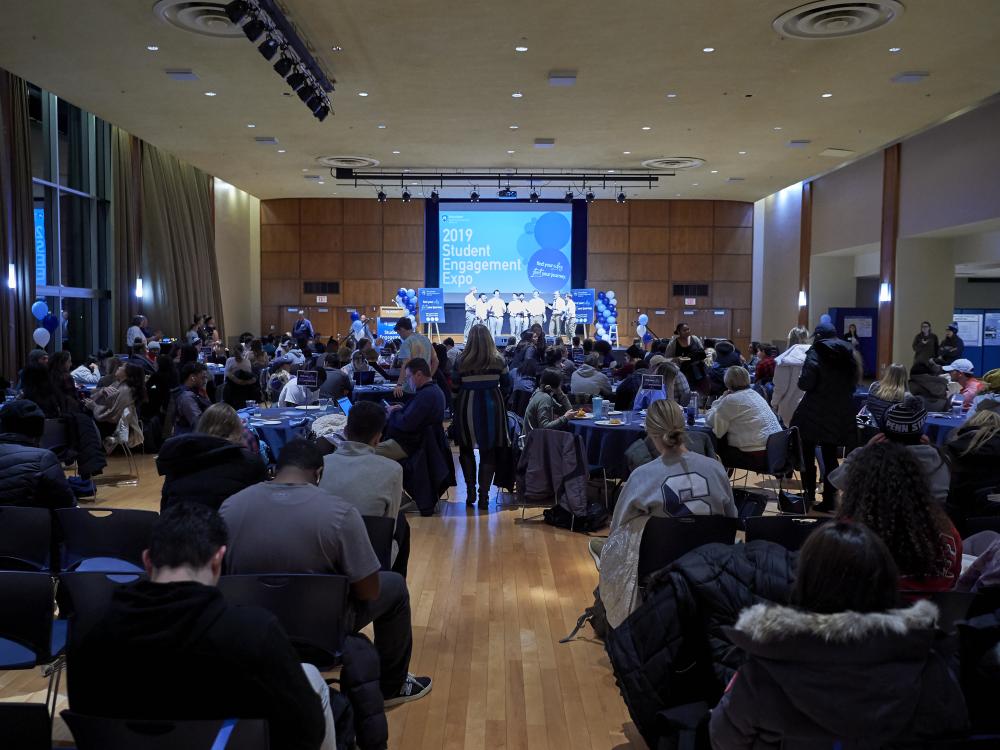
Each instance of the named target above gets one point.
<point>970,328</point>
<point>863,324</point>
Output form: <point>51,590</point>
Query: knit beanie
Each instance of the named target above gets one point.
<point>903,422</point>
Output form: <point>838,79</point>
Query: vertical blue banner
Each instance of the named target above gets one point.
<point>430,307</point>
<point>387,329</point>
<point>40,254</point>
<point>584,299</point>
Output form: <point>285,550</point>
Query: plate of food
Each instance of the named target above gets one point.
<point>613,422</point>
<point>580,414</point>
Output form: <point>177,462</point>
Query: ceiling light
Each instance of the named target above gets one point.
<point>742,153</point>
<point>381,197</point>
<point>646,127</point>
<point>474,196</point>
<point>362,93</point>
<point>533,197</point>
<point>152,48</point>
<point>520,48</point>
<point>381,126</point>
<point>268,48</point>
<point>611,171</point>
<point>336,48</point>
<point>395,152</point>
<point>406,196</point>
<point>284,66</point>
<point>254,29</point>
<point>620,198</point>
<point>321,182</point>
<point>513,127</point>
<point>304,169</point>
<point>678,195</point>
<point>893,50</point>
<point>708,49</point>
<point>776,127</point>
<point>715,171</point>
<point>589,196</point>
<point>671,96</point>
<point>435,195</point>
<point>627,153</point>
<point>694,184</point>
<point>802,298</point>
<point>237,10</point>
<point>569,196</point>
<point>885,292</point>
<point>210,93</point>
<point>510,151</point>
<point>281,150</point>
<point>517,95</point>
<point>826,95</point>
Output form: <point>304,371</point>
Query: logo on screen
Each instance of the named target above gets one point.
<point>544,240</point>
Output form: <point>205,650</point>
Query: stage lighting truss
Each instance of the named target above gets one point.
<point>295,64</point>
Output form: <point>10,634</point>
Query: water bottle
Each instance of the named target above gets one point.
<point>957,405</point>
<point>692,412</point>
<point>598,403</point>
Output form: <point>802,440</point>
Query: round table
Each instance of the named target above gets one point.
<point>292,423</point>
<point>375,393</point>
<point>940,424</point>
<point>604,444</point>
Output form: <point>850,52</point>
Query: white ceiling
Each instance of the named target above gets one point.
<point>440,76</point>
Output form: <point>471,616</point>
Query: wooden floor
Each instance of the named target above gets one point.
<point>491,597</point>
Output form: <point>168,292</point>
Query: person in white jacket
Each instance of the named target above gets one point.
<point>495,309</point>
<point>787,368</point>
<point>744,420</point>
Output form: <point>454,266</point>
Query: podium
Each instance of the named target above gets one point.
<point>387,317</point>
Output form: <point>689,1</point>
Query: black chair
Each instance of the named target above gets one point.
<point>82,596</point>
<point>790,532</point>
<point>56,437</point>
<point>380,531</point>
<point>25,726</point>
<point>784,458</point>
<point>667,539</point>
<point>98,733</point>
<point>25,538</point>
<point>312,609</point>
<point>109,540</point>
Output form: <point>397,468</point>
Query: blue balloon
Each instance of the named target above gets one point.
<point>552,230</point>
<point>355,316</point>
<point>643,319</point>
<point>612,320</point>
<point>39,310</point>
<point>50,322</point>
<point>600,306</point>
<point>601,295</point>
<point>825,319</point>
<point>411,293</point>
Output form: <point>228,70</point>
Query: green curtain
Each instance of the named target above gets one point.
<point>126,155</point>
<point>179,269</point>
<point>17,231</point>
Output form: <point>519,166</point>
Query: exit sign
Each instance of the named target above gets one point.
<point>321,299</point>
<point>690,301</point>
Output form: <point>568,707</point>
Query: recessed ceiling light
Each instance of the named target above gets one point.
<point>694,184</point>
<point>611,171</point>
<point>671,95</point>
<point>510,151</point>
<point>321,182</point>
<point>281,150</point>
<point>646,127</point>
<point>406,170</point>
<point>381,126</point>
<point>678,195</point>
<point>513,127</point>
<point>362,93</point>
<point>395,152</point>
<point>336,48</point>
<point>209,93</point>
<point>520,48</point>
<point>826,95</point>
<point>517,95</point>
<point>708,49</point>
<point>742,153</point>
<point>777,127</point>
<point>627,153</point>
<point>152,48</point>
<point>893,50</point>
<point>304,169</point>
<point>715,171</point>
<point>251,125</point>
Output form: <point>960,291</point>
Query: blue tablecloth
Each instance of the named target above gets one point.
<point>605,445</point>
<point>939,426</point>
<point>292,423</point>
<point>375,393</point>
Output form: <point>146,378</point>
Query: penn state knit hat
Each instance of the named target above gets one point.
<point>903,422</point>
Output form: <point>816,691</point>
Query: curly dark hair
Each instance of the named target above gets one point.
<point>888,491</point>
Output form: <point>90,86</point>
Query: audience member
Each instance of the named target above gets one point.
<point>337,384</point>
<point>303,328</point>
<point>764,371</point>
<point>882,394</point>
<point>134,334</point>
<point>973,452</point>
<point>825,417</point>
<point>29,475</point>
<point>743,421</point>
<point>209,333</point>
<point>951,347</point>
<point>258,357</point>
<point>726,356</point>
<point>588,380</point>
<point>925,345</point>
<point>408,423</point>
<point>211,660</point>
<point>239,362</point>
<point>549,407</point>
<point>482,382</point>
<point>930,387</point>
<point>679,484</point>
<point>961,372</point>
<point>190,400</point>
<point>292,526</point>
<point>88,373</point>
<point>108,404</point>
<point>841,666</point>
<point>644,450</point>
<point>887,491</point>
<point>415,346</point>
<point>359,363</point>
<point>210,464</point>
<point>633,355</point>
<point>137,356</point>
<point>787,369</point>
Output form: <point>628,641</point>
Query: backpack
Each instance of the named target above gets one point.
<point>596,615</point>
<point>595,518</point>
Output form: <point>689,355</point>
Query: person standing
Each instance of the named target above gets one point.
<point>470,310</point>
<point>536,309</point>
<point>690,353</point>
<point>952,348</point>
<point>569,315</point>
<point>523,317</point>
<point>825,417</point>
<point>925,344</point>
<point>514,308</point>
<point>134,333</point>
<point>787,369</point>
<point>303,328</point>
<point>556,319</point>
<point>495,310</point>
<point>482,310</point>
<point>415,346</point>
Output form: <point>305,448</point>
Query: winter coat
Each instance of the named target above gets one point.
<point>673,650</point>
<point>951,348</point>
<point>787,368</point>
<point>826,413</point>
<point>932,390</point>
<point>843,679</point>
<point>726,356</point>
<point>925,349</point>
<point>553,465</point>
<point>31,476</point>
<point>205,469</point>
<point>359,681</point>
<point>972,475</point>
<point>546,410</point>
<point>429,471</point>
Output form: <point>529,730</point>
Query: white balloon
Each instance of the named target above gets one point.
<point>41,337</point>
<point>640,331</point>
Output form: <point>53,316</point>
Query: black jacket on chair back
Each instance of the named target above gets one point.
<point>205,469</point>
<point>31,476</point>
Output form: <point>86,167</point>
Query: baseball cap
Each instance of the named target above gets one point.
<point>824,331</point>
<point>961,365</point>
<point>952,327</point>
<point>903,422</point>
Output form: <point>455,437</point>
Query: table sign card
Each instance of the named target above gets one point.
<point>652,383</point>
<point>308,378</point>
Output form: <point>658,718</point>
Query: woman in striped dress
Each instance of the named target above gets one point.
<point>480,421</point>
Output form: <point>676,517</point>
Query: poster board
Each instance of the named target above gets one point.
<point>862,323</point>
<point>970,328</point>
<point>584,299</point>
<point>430,305</point>
<point>991,329</point>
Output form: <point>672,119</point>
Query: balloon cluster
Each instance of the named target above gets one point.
<point>641,331</point>
<point>49,323</point>
<point>607,313</point>
<point>407,299</point>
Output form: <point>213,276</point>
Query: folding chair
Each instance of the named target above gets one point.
<point>107,540</point>
<point>81,596</point>
<point>790,532</point>
<point>380,531</point>
<point>131,479</point>
<point>784,458</point>
<point>311,608</point>
<point>99,733</point>
<point>25,538</point>
<point>667,539</point>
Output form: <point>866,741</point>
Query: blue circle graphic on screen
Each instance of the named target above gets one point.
<point>548,270</point>
<point>552,230</point>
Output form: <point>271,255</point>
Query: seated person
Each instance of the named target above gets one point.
<point>405,429</point>
<point>743,421</point>
<point>108,404</point>
<point>633,355</point>
<point>138,356</point>
<point>726,356</point>
<point>973,452</point>
<point>549,407</point>
<point>190,400</point>
<point>337,384</point>
<point>210,464</point>
<point>644,450</point>
<point>882,394</point>
<point>211,660</point>
<point>675,385</point>
<point>359,363</point>
<point>88,373</point>
<point>961,372</point>
<point>680,483</point>
<point>293,394</point>
<point>588,380</point>
<point>887,491</point>
<point>29,476</point>
<point>355,473</point>
<point>290,525</point>
<point>903,423</point>
<point>842,628</point>
<point>929,387</point>
<point>764,371</point>
<point>603,348</point>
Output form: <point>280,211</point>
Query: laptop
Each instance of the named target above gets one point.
<point>364,378</point>
<point>345,405</point>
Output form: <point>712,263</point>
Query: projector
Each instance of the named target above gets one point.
<point>507,194</point>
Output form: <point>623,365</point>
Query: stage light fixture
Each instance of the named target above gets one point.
<point>254,29</point>
<point>236,11</point>
<point>434,196</point>
<point>321,113</point>
<point>406,196</point>
<point>569,196</point>
<point>620,198</point>
<point>315,101</point>
<point>533,197</point>
<point>589,196</point>
<point>268,48</point>
<point>296,80</point>
<point>306,93</point>
<point>381,197</point>
<point>284,66</point>
<point>474,196</point>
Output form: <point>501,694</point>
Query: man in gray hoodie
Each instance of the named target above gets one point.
<point>588,378</point>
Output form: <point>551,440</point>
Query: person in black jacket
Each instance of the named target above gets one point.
<point>210,464</point>
<point>951,348</point>
<point>841,666</point>
<point>929,387</point>
<point>825,416</point>
<point>29,475</point>
<point>206,660</point>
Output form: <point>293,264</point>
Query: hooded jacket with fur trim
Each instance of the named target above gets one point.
<point>861,679</point>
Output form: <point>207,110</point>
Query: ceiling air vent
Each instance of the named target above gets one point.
<point>347,162</point>
<point>562,77</point>
<point>829,19</point>
<point>545,143</point>
<point>674,163</point>
<point>735,179</point>
<point>181,74</point>
<point>911,76</point>
<point>799,143</point>
<point>837,153</point>
<point>312,177</point>
<point>266,140</point>
<point>197,16</point>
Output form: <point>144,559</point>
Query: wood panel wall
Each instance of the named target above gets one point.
<point>640,248</point>
<point>371,249</point>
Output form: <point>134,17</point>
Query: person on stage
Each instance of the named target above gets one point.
<point>558,310</point>
<point>569,316</point>
<point>496,310</point>
<point>514,308</point>
<point>536,309</point>
<point>482,310</point>
<point>470,310</point>
<point>359,328</point>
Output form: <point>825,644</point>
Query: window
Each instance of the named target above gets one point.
<point>70,169</point>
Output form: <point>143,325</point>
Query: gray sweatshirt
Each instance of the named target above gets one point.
<point>930,459</point>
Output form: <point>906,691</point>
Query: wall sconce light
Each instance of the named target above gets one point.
<point>802,299</point>
<point>138,287</point>
<point>11,276</point>
<point>885,292</point>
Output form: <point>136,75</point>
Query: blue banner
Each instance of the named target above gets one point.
<point>387,329</point>
<point>40,254</point>
<point>584,299</point>
<point>430,305</point>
